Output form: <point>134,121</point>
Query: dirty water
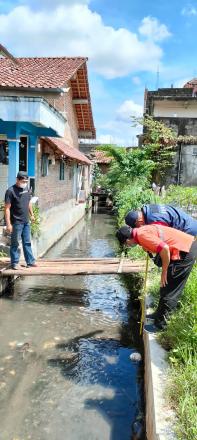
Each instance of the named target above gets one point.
<point>65,367</point>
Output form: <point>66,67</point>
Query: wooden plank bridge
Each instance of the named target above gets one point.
<point>74,266</point>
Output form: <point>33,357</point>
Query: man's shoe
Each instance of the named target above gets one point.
<point>32,265</point>
<point>15,266</point>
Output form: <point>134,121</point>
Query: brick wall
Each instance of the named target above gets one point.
<point>72,119</point>
<point>50,189</point>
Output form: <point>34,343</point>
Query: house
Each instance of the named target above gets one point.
<point>45,108</point>
<point>96,156</point>
<point>177,108</point>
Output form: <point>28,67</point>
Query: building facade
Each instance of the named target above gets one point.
<point>177,108</point>
<point>45,108</point>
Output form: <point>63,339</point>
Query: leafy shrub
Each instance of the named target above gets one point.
<point>35,226</point>
<point>180,338</point>
<point>132,197</point>
<point>182,196</point>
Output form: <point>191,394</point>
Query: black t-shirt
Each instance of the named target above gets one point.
<point>19,199</point>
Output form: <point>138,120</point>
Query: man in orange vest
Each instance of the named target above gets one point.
<point>178,253</point>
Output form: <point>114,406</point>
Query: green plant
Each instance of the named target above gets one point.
<point>182,196</point>
<point>35,226</point>
<point>2,254</point>
<point>180,339</point>
<point>132,197</point>
<point>159,142</point>
<point>127,165</point>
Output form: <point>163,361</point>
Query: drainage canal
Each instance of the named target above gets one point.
<point>65,366</point>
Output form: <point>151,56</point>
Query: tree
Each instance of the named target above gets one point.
<point>127,165</point>
<point>159,141</point>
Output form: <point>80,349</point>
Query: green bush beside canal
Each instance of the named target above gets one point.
<point>180,340</point>
<point>129,180</point>
<point>180,337</point>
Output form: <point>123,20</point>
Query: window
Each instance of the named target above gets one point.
<point>61,170</point>
<point>4,152</point>
<point>23,154</point>
<point>32,185</point>
<point>44,165</point>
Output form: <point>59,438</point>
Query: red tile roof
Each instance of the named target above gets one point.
<point>191,84</point>
<point>100,157</point>
<point>38,72</point>
<point>52,73</point>
<point>67,151</point>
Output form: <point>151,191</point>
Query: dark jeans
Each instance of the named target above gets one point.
<point>178,273</point>
<point>21,231</point>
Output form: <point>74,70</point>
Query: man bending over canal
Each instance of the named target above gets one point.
<point>162,214</point>
<point>178,253</point>
<point>17,211</point>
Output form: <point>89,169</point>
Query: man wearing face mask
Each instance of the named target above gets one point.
<point>18,209</point>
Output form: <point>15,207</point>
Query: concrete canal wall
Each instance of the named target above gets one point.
<point>55,222</point>
<point>160,419</point>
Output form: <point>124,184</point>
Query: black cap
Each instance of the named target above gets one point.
<point>131,218</point>
<point>22,175</point>
<point>124,233</point>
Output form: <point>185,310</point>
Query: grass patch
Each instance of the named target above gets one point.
<point>180,339</point>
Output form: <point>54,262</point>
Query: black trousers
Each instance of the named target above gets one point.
<point>178,273</point>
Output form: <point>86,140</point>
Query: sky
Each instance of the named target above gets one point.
<point>130,44</point>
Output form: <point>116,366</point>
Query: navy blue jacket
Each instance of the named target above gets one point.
<point>170,215</point>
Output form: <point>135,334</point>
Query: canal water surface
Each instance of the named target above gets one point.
<point>65,367</point>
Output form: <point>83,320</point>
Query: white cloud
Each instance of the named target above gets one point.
<point>136,80</point>
<point>42,4</point>
<point>110,139</point>
<point>153,29</point>
<point>189,10</point>
<point>128,109</point>
<point>73,29</point>
<point>119,129</point>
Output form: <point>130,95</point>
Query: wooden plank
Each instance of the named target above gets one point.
<point>88,270</point>
<point>75,266</point>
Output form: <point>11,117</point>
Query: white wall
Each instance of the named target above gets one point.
<point>3,180</point>
<point>55,222</point>
<point>179,109</point>
<point>33,110</point>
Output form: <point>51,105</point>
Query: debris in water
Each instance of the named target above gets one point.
<point>12,372</point>
<point>2,385</point>
<point>135,357</point>
<point>49,344</point>
<point>7,358</point>
<point>24,348</point>
<point>12,344</point>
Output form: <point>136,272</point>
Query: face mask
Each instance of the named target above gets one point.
<point>23,185</point>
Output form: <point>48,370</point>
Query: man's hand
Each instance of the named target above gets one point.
<point>32,218</point>
<point>165,256</point>
<point>164,281</point>
<point>9,228</point>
